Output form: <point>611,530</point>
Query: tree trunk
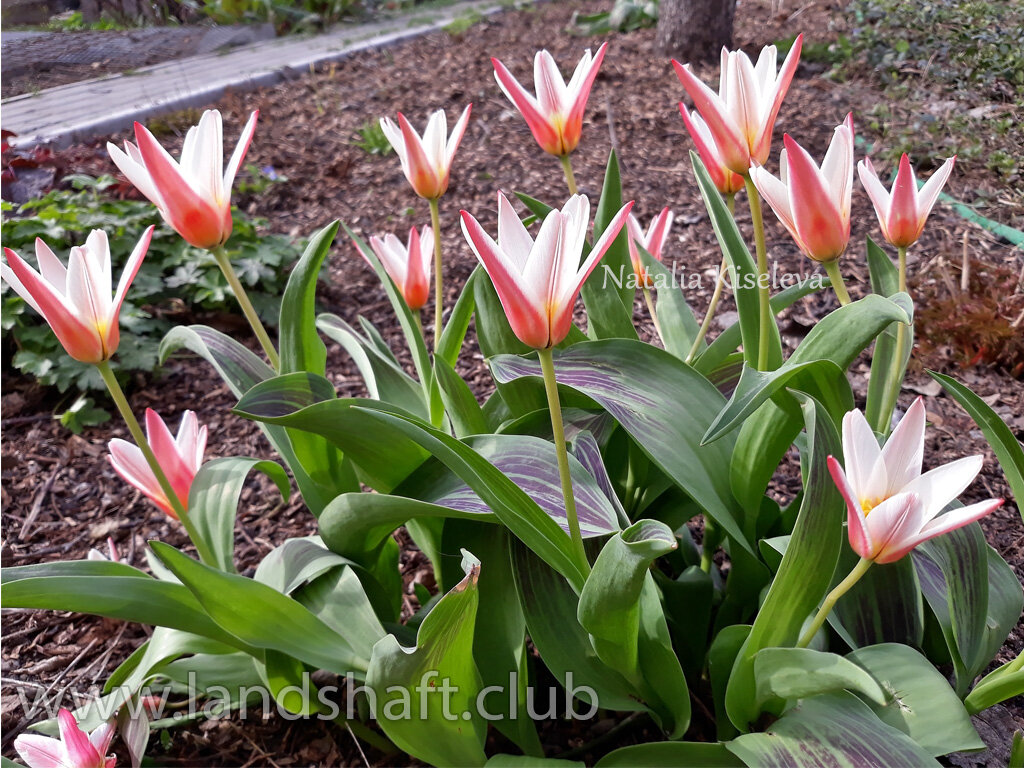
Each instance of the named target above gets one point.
<point>695,30</point>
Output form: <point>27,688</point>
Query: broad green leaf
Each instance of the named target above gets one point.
<point>460,404</point>
<point>410,707</point>
<point>663,404</point>
<point>550,606</point>
<point>884,282</point>
<point>385,380</point>
<point>305,402</point>
<point>1005,603</point>
<point>664,685</point>
<point>114,590</point>
<point>291,688</point>
<point>921,703</point>
<point>688,601</point>
<point>525,761</point>
<point>338,599</point>
<point>291,564</point>
<point>671,754</point>
<point>454,333</point>
<point>1005,446</point>
<point>819,364</point>
<point>799,673</point>
<point>610,602</point>
<point>1003,683</point>
<point>263,617</point>
<point>722,655</point>
<point>803,577</point>
<point>242,370</point>
<point>834,729</point>
<point>743,274</point>
<point>301,347</point>
<point>678,325</point>
<point>607,293</point>
<point>213,501</point>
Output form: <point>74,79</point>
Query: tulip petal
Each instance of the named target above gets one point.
<point>893,523</point>
<point>135,171</point>
<point>929,193</point>
<point>456,137</point>
<point>546,136</point>
<point>549,84</point>
<point>837,167</point>
<point>940,486</point>
<point>239,154</point>
<point>165,448</point>
<point>857,531</point>
<point>823,231</point>
<point>190,442</point>
<point>579,89</point>
<point>860,448</point>
<point>420,172</point>
<point>763,144</point>
<point>130,463</point>
<point>513,237</point>
<point>903,453</point>
<point>80,750</point>
<point>600,248</point>
<point>86,290</point>
<point>131,269</point>
<point>40,751</point>
<point>731,144</point>
<point>50,267</point>
<point>204,165</point>
<point>776,194</point>
<point>958,518</point>
<point>100,738</point>
<point>877,193</point>
<point>902,219</point>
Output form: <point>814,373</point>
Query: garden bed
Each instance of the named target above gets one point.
<point>60,497</point>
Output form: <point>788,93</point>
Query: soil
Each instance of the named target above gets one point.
<point>60,496</point>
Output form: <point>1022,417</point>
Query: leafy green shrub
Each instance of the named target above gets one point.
<point>372,139</point>
<point>175,279</point>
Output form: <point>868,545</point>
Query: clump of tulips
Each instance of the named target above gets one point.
<point>820,632</point>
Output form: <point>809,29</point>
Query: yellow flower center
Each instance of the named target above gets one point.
<point>867,505</point>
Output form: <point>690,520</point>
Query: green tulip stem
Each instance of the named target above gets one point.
<point>832,598</point>
<point>654,314</point>
<point>547,365</point>
<point>418,317</point>
<point>764,293</point>
<point>730,201</point>
<point>435,223</point>
<point>121,401</point>
<point>220,255</point>
<point>896,368</point>
<point>570,177</point>
<point>836,276</point>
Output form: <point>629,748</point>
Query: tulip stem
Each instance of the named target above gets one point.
<point>435,223</point>
<point>764,294</point>
<point>706,324</point>
<point>221,257</point>
<point>570,177</point>
<point>140,440</point>
<point>547,365</point>
<point>897,369</point>
<point>654,314</point>
<point>832,598</point>
<point>418,317</point>
<point>838,285</point>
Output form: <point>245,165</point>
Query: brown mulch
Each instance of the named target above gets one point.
<point>60,496</point>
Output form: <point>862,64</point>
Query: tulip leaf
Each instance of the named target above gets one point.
<point>295,562</point>
<point>788,674</point>
<point>550,607</point>
<point>385,380</point>
<point>454,333</point>
<point>834,729</point>
<point>413,685</point>
<point>919,702</point>
<point>265,618</point>
<point>678,325</point>
<point>513,506</point>
<point>671,754</point>
<point>301,347</point>
<point>807,566</point>
<point>114,590</point>
<point>382,456</point>
<point>608,293</point>
<point>722,655</point>
<point>242,370</point>
<point>338,599</point>
<point>526,761</point>
<point>213,501</point>
<point>818,366</point>
<point>743,273</point>
<point>884,282</point>
<point>997,686</point>
<point>1006,447</point>
<point>664,405</point>
<point>465,413</point>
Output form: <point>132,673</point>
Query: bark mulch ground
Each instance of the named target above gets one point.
<point>60,496</point>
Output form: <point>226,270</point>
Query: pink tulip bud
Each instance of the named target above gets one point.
<point>538,281</point>
<point>726,181</point>
<point>77,301</point>
<point>193,196</point>
<point>813,203</point>
<point>74,748</point>
<point>408,265</point>
<point>555,114</point>
<point>652,242</point>
<point>741,116</point>
<point>426,161</point>
<point>891,506</point>
<point>180,458</point>
<point>902,214</point>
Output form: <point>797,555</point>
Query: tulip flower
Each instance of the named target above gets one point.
<point>726,181</point>
<point>813,203</point>
<point>77,301</point>
<point>741,116</point>
<point>408,265</point>
<point>652,241</point>
<point>426,161</point>
<point>179,457</point>
<point>74,748</point>
<point>903,213</point>
<point>555,114</point>
<point>538,281</point>
<point>891,506</point>
<point>193,195</point>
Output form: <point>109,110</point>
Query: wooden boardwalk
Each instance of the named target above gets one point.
<point>68,113</point>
